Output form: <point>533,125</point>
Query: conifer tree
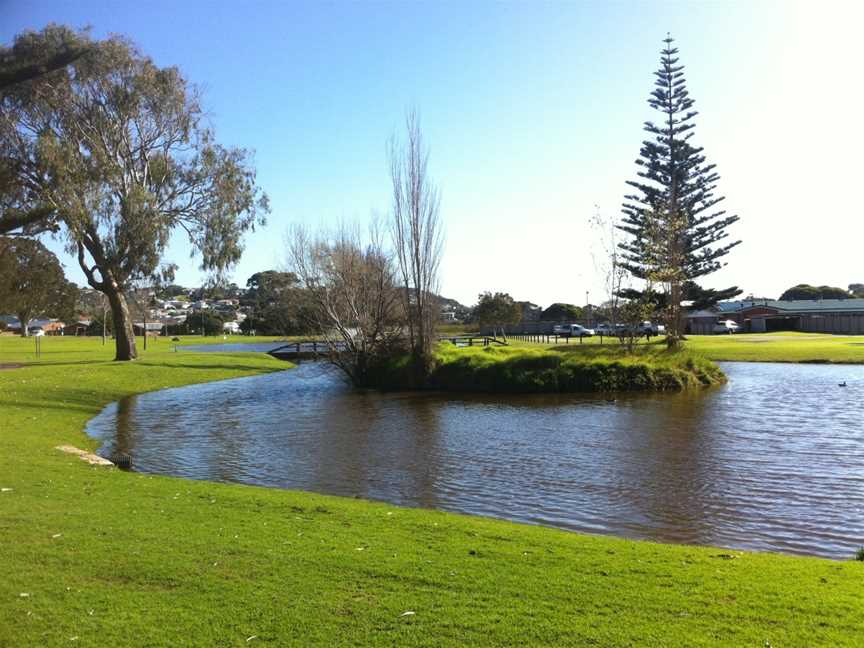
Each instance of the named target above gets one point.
<point>677,233</point>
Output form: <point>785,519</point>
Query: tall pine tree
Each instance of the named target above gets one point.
<point>676,232</point>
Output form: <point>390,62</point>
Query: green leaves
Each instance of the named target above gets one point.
<point>114,147</point>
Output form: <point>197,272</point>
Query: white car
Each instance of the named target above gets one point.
<point>36,331</point>
<point>726,326</point>
<point>606,329</point>
<point>572,330</point>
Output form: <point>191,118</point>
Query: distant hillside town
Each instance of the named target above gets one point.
<point>272,304</point>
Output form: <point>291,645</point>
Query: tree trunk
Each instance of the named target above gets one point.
<point>124,334</point>
<point>24,320</point>
<point>673,337</point>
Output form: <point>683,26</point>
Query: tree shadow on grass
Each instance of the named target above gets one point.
<point>30,364</point>
<point>216,366</point>
<point>64,404</point>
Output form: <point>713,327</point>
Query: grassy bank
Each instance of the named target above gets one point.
<point>569,368</point>
<point>95,557</point>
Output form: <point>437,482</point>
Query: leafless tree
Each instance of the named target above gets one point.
<point>352,297</point>
<point>607,263</point>
<point>417,239</point>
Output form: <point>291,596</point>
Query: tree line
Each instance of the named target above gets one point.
<point>111,154</point>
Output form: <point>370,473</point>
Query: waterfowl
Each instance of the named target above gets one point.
<point>843,384</point>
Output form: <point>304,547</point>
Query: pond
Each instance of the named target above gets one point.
<point>774,460</point>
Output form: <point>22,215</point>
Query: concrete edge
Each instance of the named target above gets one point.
<point>89,457</point>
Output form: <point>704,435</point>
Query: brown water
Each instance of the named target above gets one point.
<point>772,461</point>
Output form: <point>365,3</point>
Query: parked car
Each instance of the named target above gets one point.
<point>572,330</point>
<point>606,329</point>
<point>36,331</point>
<point>646,328</point>
<point>643,328</point>
<point>726,326</point>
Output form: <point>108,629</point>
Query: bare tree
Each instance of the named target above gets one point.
<point>352,297</point>
<point>417,239</point>
<point>607,262</point>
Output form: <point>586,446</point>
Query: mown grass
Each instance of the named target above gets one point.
<point>780,347</point>
<point>749,347</point>
<point>570,368</point>
<point>95,557</point>
<point>194,340</point>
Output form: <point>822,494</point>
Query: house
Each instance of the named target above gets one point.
<point>702,322</point>
<point>81,327</point>
<point>153,328</point>
<point>530,312</point>
<point>842,316</point>
<point>49,326</point>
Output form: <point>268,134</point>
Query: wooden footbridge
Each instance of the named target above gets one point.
<point>473,340</point>
<point>305,349</point>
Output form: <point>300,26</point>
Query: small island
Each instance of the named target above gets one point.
<point>563,368</point>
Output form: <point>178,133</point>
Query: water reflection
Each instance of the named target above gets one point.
<point>772,461</point>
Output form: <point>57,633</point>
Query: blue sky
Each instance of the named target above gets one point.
<point>533,112</point>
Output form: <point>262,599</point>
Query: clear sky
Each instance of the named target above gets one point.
<point>533,112</point>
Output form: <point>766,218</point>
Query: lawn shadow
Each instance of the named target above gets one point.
<point>215,366</point>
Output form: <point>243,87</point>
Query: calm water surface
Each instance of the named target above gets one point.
<point>772,461</point>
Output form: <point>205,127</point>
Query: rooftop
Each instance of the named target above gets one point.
<point>795,305</point>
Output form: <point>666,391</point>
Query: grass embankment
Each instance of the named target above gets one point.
<point>570,368</point>
<point>780,347</point>
<point>97,557</point>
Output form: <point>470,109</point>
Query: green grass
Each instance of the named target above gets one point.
<point>570,368</point>
<point>780,347</point>
<point>188,340</point>
<point>112,558</point>
<point>748,347</point>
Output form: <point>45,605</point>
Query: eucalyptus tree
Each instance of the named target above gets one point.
<point>32,282</point>
<point>116,153</point>
<point>676,231</point>
<point>33,57</point>
<point>497,310</point>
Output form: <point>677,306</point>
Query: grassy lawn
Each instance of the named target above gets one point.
<point>780,347</point>
<point>191,340</point>
<point>748,347</point>
<point>95,556</point>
